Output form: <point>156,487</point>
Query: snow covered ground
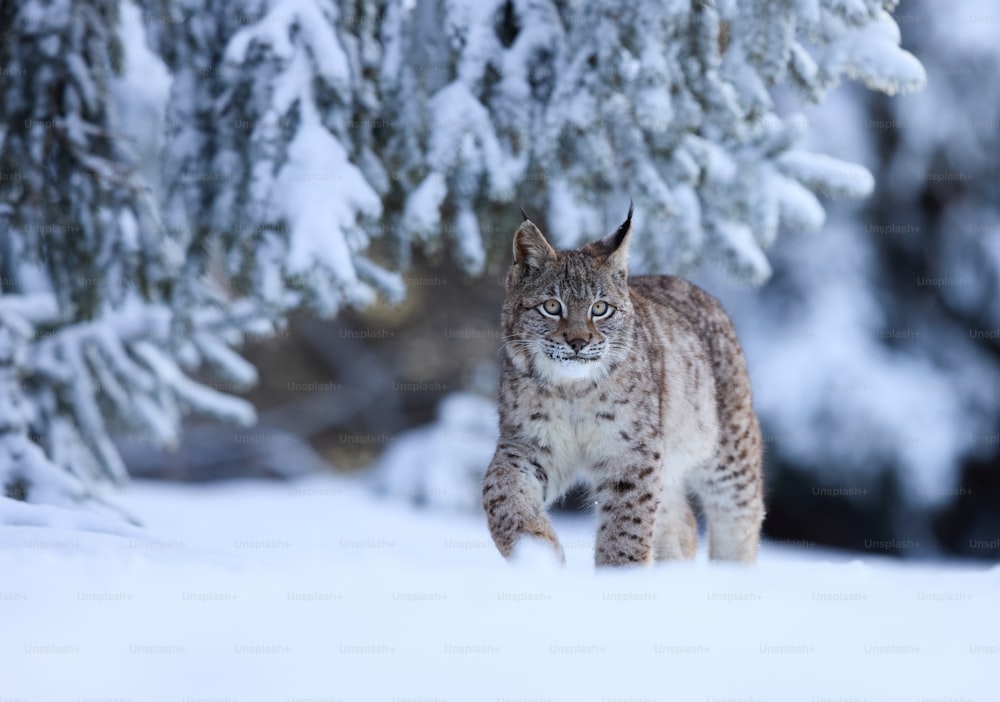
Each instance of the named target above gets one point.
<point>319,591</point>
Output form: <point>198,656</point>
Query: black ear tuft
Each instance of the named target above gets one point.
<point>617,245</point>
<point>524,214</point>
<point>616,239</point>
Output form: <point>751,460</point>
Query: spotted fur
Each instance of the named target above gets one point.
<point>650,405</point>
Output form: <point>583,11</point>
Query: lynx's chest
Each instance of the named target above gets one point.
<point>580,429</point>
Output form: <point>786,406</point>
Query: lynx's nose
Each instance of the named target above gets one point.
<point>577,344</point>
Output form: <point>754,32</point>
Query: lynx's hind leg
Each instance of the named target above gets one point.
<point>676,528</point>
<point>734,533</point>
<point>732,495</point>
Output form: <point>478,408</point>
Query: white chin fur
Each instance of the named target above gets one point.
<point>569,370</point>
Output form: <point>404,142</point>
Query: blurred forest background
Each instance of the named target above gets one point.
<point>873,341</point>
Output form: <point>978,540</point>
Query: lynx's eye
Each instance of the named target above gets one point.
<point>600,309</point>
<point>552,308</point>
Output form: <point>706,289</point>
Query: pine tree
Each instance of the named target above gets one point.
<point>671,103</point>
<point>332,126</point>
<point>598,101</point>
<point>269,163</point>
<point>89,341</point>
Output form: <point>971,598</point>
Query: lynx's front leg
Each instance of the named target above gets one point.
<point>513,498</point>
<point>628,501</point>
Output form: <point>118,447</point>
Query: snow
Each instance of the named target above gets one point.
<point>423,206</point>
<point>198,396</point>
<point>317,590</point>
<point>800,209</point>
<point>31,307</point>
<point>441,465</point>
<point>829,175</point>
<point>313,20</point>
<point>321,193</point>
<point>468,250</point>
<point>746,259</point>
<point>225,361</point>
<point>877,60</point>
<point>463,141</point>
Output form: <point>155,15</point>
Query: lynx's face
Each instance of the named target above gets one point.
<point>568,314</point>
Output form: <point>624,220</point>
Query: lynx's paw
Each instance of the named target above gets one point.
<point>533,552</point>
<point>515,535</point>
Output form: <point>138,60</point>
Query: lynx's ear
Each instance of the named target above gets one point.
<point>616,245</point>
<point>530,247</point>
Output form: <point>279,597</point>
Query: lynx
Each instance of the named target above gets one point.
<point>635,386</point>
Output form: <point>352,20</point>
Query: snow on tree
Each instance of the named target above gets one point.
<point>90,342</point>
<point>314,142</point>
<point>671,103</point>
<point>597,101</point>
<point>269,162</point>
<point>305,131</point>
<point>874,349</point>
